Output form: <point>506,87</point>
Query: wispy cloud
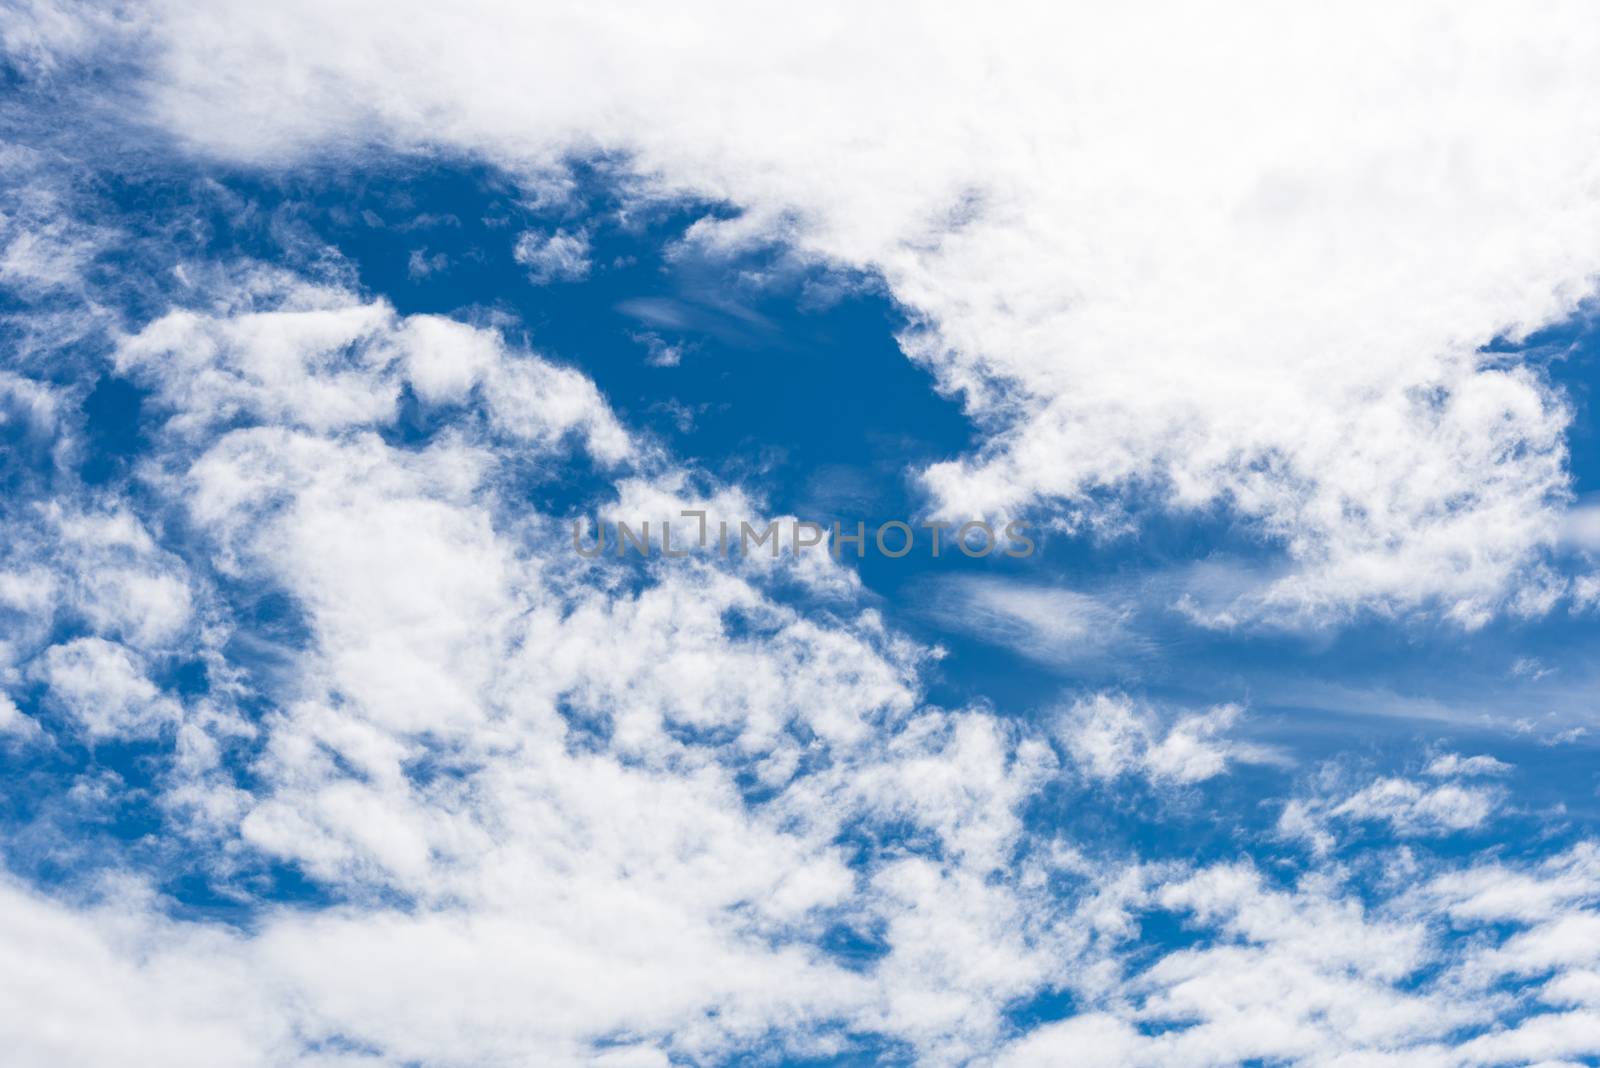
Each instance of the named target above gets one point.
<point>1052,625</point>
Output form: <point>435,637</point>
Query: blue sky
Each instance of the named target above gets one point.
<point>322,746</point>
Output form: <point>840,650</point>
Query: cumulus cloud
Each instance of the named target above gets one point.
<point>1111,735</point>
<point>464,741</point>
<point>1452,765</point>
<point>1408,807</point>
<point>659,351</point>
<point>472,706</point>
<point>1412,809</point>
<point>1228,275</point>
<point>13,722</point>
<point>639,814</point>
<point>163,993</point>
<point>322,359</point>
<point>105,689</point>
<point>1310,976</point>
<point>554,257</point>
<point>555,780</point>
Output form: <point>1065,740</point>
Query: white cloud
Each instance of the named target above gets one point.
<point>554,257</point>
<point>42,35</point>
<point>44,246</point>
<point>1412,809</point>
<point>1092,1040</point>
<point>1407,807</point>
<point>478,707</point>
<point>1307,974</point>
<point>160,993</point>
<point>1052,625</point>
<point>320,358</point>
<point>315,360</point>
<point>446,359</point>
<point>29,404</point>
<point>660,352</point>
<point>641,801</point>
<point>1227,273</point>
<point>14,722</point>
<point>1586,593</point>
<point>104,688</point>
<point>1531,668</point>
<point>114,575</point>
<point>1451,765</point>
<point>1497,892</point>
<point>420,265</point>
<point>1110,735</point>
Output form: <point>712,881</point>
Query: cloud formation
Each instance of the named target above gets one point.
<point>1235,274</point>
<point>471,799</point>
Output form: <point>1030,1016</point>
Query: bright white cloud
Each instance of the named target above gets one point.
<point>1411,809</point>
<point>556,257</point>
<point>319,358</point>
<point>1309,976</point>
<point>13,722</point>
<point>1407,807</point>
<point>105,689</point>
<point>1111,735</point>
<point>161,993</point>
<point>1231,272</point>
<point>621,813</point>
<point>479,707</point>
<point>1451,765</point>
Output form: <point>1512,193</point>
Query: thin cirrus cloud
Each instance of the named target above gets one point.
<point>1052,625</point>
<point>1581,527</point>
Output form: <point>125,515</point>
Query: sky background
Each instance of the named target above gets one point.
<point>320,327</point>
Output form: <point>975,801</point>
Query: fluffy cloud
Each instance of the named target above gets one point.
<point>12,722</point>
<point>1450,765</point>
<point>557,257</point>
<point>556,778</point>
<point>675,816</point>
<point>1407,807</point>
<point>162,992</point>
<point>632,813</point>
<point>1110,735</point>
<point>1310,975</point>
<point>1252,270</point>
<point>319,358</point>
<point>546,759</point>
<point>105,689</point>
